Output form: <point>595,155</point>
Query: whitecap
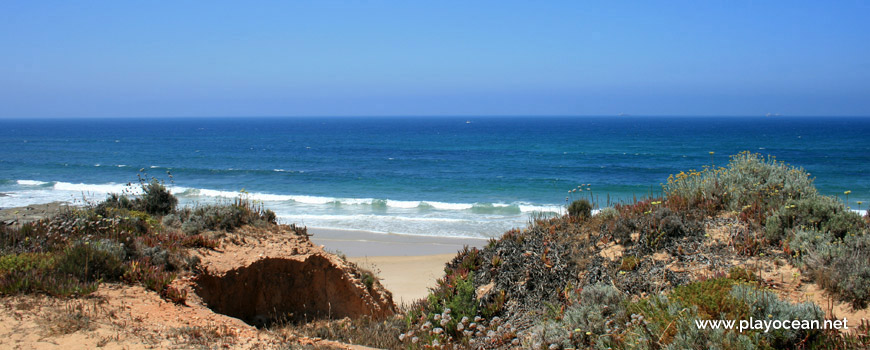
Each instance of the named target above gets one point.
<point>31,182</point>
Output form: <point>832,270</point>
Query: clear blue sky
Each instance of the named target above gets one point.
<point>234,58</point>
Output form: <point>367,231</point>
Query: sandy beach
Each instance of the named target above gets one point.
<point>406,265</point>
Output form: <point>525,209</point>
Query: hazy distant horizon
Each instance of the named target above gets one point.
<point>712,116</point>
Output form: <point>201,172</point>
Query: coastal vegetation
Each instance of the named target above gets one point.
<point>140,239</point>
<point>636,275</point>
<point>609,280</point>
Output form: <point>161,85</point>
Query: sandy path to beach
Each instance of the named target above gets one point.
<point>407,265</point>
<point>407,277</point>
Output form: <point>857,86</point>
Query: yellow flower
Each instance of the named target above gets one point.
<point>847,193</point>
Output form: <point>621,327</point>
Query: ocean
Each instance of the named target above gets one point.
<point>437,176</point>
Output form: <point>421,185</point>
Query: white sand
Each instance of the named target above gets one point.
<point>406,265</point>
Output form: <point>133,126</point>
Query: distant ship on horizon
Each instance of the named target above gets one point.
<point>772,115</point>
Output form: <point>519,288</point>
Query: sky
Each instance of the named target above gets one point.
<point>367,58</point>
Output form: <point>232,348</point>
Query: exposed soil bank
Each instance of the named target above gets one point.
<point>276,288</point>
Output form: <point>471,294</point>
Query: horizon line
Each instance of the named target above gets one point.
<point>443,116</point>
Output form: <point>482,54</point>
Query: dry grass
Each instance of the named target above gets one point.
<point>206,337</point>
<point>73,316</point>
<point>383,334</point>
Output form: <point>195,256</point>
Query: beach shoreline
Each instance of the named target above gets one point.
<point>360,243</point>
<point>406,265</point>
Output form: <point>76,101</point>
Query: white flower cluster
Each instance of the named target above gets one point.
<point>476,332</point>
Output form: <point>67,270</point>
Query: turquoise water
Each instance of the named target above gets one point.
<point>447,176</point>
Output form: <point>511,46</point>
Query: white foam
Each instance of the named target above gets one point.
<point>530,208</point>
<point>371,217</point>
<point>31,182</point>
<point>312,199</point>
<point>97,188</point>
<point>402,204</point>
<point>356,201</point>
<point>450,206</point>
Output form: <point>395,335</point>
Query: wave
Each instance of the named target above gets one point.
<point>97,188</point>
<point>481,208</point>
<point>31,182</point>
<point>505,209</point>
<point>499,208</point>
<point>466,227</point>
<point>372,217</point>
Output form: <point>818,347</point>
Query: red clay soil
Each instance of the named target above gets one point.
<point>255,275</point>
<point>290,280</point>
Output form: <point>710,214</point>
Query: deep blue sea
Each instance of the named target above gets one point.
<point>447,176</point>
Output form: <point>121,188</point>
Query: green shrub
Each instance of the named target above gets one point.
<point>115,201</point>
<point>742,275</point>
<point>669,322</point>
<point>580,208</point>
<point>659,322</point>
<point>840,266</point>
<point>194,225</point>
<point>712,298</point>
<point>73,271</point>
<point>662,226</point>
<point>368,278</point>
<point>111,247</point>
<point>456,293</point>
<point>598,311</point>
<point>750,177</point>
<point>46,281</point>
<point>150,276</point>
<point>750,184</point>
<point>156,255</point>
<point>26,261</point>
<point>171,221</point>
<point>88,263</point>
<point>820,213</point>
<point>156,198</point>
<point>766,305</point>
<point>608,214</point>
<point>269,216</point>
<point>225,217</point>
